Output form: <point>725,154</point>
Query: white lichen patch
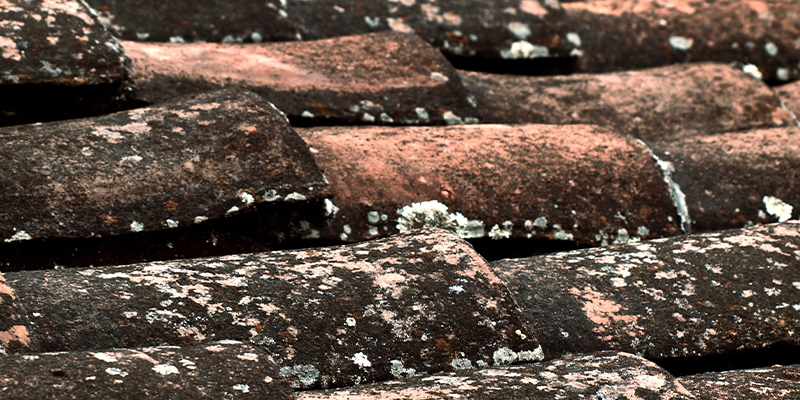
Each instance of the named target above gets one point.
<point>422,113</point>
<point>232,210</point>
<point>116,371</point>
<point>622,236</point>
<point>559,234</point>
<point>241,387</point>
<point>165,369</point>
<point>430,214</point>
<point>200,218</point>
<point>294,196</point>
<point>504,232</point>
<point>460,364</point>
<point>505,356</point>
<point>271,195</point>
<point>171,223</point>
<point>18,236</point>
<point>574,39</point>
<point>247,198</point>
<point>778,208</point>
<point>330,208</point>
<point>519,30</point>
<point>681,43</point>
<point>248,356</point>
<point>137,226</point>
<point>675,192</point>
<point>522,49</point>
<point>771,49</point>
<point>753,71</point>
<point>107,357</point>
<point>361,360</point>
<point>398,370</point>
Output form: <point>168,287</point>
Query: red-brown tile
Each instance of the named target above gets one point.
<point>664,103</point>
<point>382,78</point>
<point>328,317</point>
<point>224,369</point>
<point>695,295</point>
<point>576,182</point>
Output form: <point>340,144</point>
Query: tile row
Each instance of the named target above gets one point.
<point>409,306</point>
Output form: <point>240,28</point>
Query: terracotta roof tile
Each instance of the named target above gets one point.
<point>685,296</point>
<point>498,181</point>
<point>382,78</point>
<point>604,374</point>
<point>677,101</point>
<point>195,218</point>
<point>328,317</point>
<point>217,370</point>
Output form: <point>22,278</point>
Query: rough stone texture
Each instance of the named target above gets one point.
<point>488,29</point>
<point>176,164</point>
<point>329,317</point>
<point>382,78</point>
<point>790,95</point>
<point>634,34</point>
<point>59,44</point>
<point>776,382</point>
<point>729,180</point>
<point>687,296</point>
<point>492,180</point>
<point>221,370</point>
<point>604,375</point>
<point>677,101</point>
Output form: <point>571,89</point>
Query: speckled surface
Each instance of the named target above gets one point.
<point>775,382</point>
<point>460,27</point>
<point>633,34</point>
<point>685,296</point>
<point>172,165</point>
<point>599,375</point>
<point>664,103</point>
<point>217,370</point>
<point>382,78</point>
<point>329,317</point>
<point>387,180</point>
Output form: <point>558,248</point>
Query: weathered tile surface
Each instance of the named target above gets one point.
<point>56,60</point>
<point>686,296</point>
<point>489,29</point>
<point>776,382</point>
<point>790,95</point>
<point>382,78</point>
<point>167,166</point>
<point>633,34</point>
<point>492,180</point>
<point>736,179</point>
<point>329,317</point>
<point>683,100</point>
<point>219,370</point>
<point>601,375</point>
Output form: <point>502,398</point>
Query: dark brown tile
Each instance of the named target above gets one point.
<point>489,29</point>
<point>382,78</point>
<point>57,61</point>
<point>216,370</point>
<point>736,179</point>
<point>180,163</point>
<point>634,34</point>
<point>328,317</point>
<point>598,375</point>
<point>665,103</point>
<point>576,182</point>
<point>694,295</point>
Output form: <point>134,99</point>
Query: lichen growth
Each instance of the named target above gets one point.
<point>778,208</point>
<point>498,233</point>
<point>430,214</point>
